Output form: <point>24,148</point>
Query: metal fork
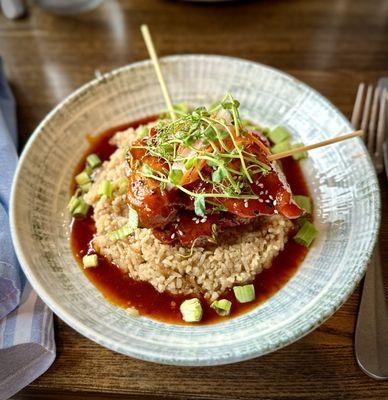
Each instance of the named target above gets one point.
<point>371,338</point>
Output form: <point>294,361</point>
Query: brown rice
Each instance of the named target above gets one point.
<point>243,252</point>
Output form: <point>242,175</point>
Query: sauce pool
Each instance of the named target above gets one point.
<point>123,291</point>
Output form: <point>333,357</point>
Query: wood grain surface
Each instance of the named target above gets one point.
<point>330,45</point>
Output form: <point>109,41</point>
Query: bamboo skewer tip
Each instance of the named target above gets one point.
<point>155,61</point>
<point>327,142</point>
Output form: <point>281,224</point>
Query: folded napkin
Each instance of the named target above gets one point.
<point>27,346</point>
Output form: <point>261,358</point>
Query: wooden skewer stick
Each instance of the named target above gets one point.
<point>151,50</point>
<point>314,146</point>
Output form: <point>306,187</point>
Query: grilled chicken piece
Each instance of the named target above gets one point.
<point>169,211</point>
<point>155,208</point>
<point>190,229</point>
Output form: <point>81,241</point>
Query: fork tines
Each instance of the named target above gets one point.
<point>371,107</point>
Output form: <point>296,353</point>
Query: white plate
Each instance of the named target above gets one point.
<point>341,179</point>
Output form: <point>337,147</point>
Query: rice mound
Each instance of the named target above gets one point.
<point>241,254</point>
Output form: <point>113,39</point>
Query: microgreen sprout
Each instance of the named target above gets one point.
<point>208,144</point>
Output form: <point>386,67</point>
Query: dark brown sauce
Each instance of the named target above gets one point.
<point>121,290</point>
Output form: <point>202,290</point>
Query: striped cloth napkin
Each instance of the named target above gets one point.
<point>27,346</point>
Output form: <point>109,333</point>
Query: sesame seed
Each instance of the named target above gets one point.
<point>275,202</point>
<point>173,236</point>
<point>261,200</point>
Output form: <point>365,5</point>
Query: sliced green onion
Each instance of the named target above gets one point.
<point>141,132</point>
<point>191,310</point>
<point>301,155</point>
<point>266,131</point>
<point>82,178</point>
<point>304,202</point>
<point>122,185</point>
<point>250,125</point>
<point>86,187</point>
<point>88,169</point>
<point>90,261</point>
<point>133,218</point>
<point>128,228</point>
<point>182,108</point>
<point>280,147</point>
<point>222,307</point>
<point>244,294</point>
<point>93,161</point>
<point>105,189</point>
<point>279,134</point>
<point>306,234</point>
<point>73,203</point>
<point>82,208</point>
<point>300,221</point>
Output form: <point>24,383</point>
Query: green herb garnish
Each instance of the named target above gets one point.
<point>211,147</point>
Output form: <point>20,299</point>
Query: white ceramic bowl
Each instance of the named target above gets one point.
<point>341,179</point>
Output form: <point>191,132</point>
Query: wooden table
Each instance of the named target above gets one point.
<point>330,45</point>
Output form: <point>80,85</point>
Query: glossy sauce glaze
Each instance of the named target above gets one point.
<point>121,290</point>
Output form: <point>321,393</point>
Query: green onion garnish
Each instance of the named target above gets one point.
<point>204,138</point>
<point>191,310</point>
<point>303,202</point>
<point>222,307</point>
<point>93,161</point>
<point>88,169</point>
<point>82,208</point>
<point>73,203</point>
<point>121,233</point>
<point>133,218</point>
<point>105,189</point>
<point>279,134</point>
<point>86,187</point>
<point>181,108</point>
<point>280,147</point>
<point>141,132</point>
<point>128,228</point>
<point>90,261</point>
<point>122,185</point>
<point>301,155</point>
<point>244,294</point>
<point>306,234</point>
<point>82,178</point>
